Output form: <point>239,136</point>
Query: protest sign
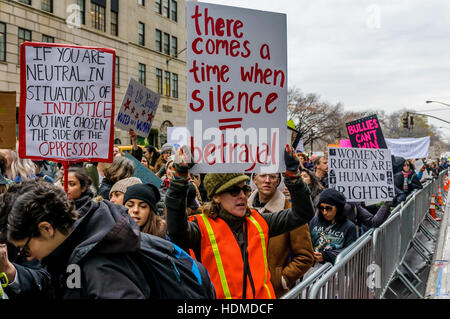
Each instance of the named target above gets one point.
<point>366,133</point>
<point>418,164</point>
<point>345,143</point>
<point>361,174</point>
<point>8,120</point>
<point>66,102</point>
<point>409,147</point>
<point>236,88</point>
<point>143,173</point>
<point>177,136</point>
<point>138,109</point>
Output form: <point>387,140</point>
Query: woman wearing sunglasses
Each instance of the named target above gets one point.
<point>331,231</point>
<point>229,238</point>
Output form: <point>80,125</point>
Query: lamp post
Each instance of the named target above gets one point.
<point>437,102</point>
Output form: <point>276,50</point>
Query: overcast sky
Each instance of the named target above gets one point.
<point>368,55</point>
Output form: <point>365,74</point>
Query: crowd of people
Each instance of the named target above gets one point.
<point>256,234</point>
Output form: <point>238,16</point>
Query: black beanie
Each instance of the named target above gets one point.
<point>148,193</point>
<point>332,197</point>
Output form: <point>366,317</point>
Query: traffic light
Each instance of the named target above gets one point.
<point>411,121</point>
<point>405,122</point>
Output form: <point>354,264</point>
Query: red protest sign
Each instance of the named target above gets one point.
<point>67,102</point>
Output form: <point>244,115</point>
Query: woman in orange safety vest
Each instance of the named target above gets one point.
<point>228,238</point>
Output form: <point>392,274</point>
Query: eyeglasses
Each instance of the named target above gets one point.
<point>167,152</point>
<point>236,190</point>
<point>271,177</point>
<point>25,249</point>
<point>326,208</point>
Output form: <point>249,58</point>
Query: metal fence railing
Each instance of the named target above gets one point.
<point>365,269</point>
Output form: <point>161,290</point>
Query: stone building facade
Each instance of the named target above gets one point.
<point>149,37</point>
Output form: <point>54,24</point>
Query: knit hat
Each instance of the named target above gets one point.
<point>217,183</point>
<point>146,192</point>
<point>123,184</point>
<point>167,147</point>
<point>332,197</point>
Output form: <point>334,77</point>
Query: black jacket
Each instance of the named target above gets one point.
<point>361,216</point>
<point>188,235</point>
<point>100,254</point>
<point>33,278</point>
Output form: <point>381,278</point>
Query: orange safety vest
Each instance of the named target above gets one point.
<point>222,257</point>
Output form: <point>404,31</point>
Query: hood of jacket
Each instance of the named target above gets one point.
<point>397,163</point>
<point>104,227</point>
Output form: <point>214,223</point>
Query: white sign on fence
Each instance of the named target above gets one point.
<point>66,102</point>
<point>236,88</point>
<point>361,174</point>
<point>138,109</point>
<point>409,148</point>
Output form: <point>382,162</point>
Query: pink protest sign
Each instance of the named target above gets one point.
<point>345,143</point>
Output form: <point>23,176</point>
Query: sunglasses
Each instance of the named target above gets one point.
<point>326,208</point>
<point>236,190</point>
<point>25,249</point>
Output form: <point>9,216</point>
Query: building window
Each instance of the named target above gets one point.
<point>26,1</point>
<point>24,36</point>
<point>167,83</point>
<point>142,76</point>
<point>158,41</point>
<point>47,5</point>
<point>82,6</point>
<point>175,46</point>
<point>175,85</point>
<point>174,11</point>
<point>166,43</point>
<point>141,33</point>
<point>2,41</point>
<point>166,12</point>
<point>98,17</point>
<point>48,39</point>
<point>117,78</point>
<point>114,23</point>
<point>158,6</point>
<point>159,84</point>
<point>141,2</point>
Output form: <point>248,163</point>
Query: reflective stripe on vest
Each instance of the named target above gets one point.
<point>263,244</point>
<point>212,239</point>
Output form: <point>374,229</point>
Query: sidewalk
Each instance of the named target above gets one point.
<point>438,286</point>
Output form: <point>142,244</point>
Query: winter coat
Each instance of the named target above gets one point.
<point>413,182</point>
<point>33,279</point>
<point>289,255</point>
<point>104,188</point>
<point>188,235</point>
<point>361,216</point>
<point>339,236</point>
<point>101,253</point>
<point>85,198</point>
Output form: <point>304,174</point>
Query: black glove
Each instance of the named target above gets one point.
<point>291,161</point>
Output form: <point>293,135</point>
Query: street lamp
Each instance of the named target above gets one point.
<point>437,102</point>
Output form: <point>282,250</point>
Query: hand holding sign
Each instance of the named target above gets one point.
<point>183,161</point>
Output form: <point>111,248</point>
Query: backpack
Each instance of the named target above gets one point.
<point>173,274</point>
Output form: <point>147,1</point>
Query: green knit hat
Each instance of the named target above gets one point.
<point>217,183</point>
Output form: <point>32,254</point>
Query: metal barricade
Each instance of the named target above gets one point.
<point>348,278</point>
<point>301,290</point>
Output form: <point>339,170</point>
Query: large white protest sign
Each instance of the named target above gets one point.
<point>66,102</point>
<point>409,147</point>
<point>361,174</point>
<point>418,164</point>
<point>237,88</point>
<point>138,109</point>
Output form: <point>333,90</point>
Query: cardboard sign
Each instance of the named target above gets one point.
<point>8,120</point>
<point>366,133</point>
<point>361,174</point>
<point>409,147</point>
<point>66,102</point>
<point>138,109</point>
<point>237,88</point>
